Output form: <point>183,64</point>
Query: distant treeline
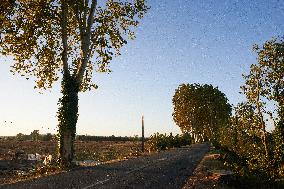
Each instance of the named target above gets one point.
<point>35,136</point>
<point>106,138</point>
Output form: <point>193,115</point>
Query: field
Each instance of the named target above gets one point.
<point>87,153</point>
<point>85,150</point>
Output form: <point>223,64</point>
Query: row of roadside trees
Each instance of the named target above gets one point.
<point>252,151</point>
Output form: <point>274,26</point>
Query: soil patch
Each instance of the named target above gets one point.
<point>210,173</point>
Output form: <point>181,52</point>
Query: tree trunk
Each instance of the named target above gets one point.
<point>143,140</point>
<point>67,116</point>
<point>280,135</point>
<point>263,129</point>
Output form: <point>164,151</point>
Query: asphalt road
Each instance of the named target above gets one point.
<point>168,169</point>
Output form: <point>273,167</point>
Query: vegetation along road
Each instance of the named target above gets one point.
<point>168,169</point>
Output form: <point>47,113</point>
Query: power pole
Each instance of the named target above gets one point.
<point>143,140</point>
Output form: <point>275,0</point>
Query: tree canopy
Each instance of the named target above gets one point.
<point>6,9</point>
<point>200,110</point>
<point>47,37</point>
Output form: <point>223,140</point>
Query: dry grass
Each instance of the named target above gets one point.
<point>91,150</point>
<point>107,150</point>
<point>102,151</point>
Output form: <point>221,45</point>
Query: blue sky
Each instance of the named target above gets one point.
<point>181,41</point>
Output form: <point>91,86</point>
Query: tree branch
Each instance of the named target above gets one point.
<point>85,13</point>
<point>80,22</point>
<point>85,42</point>
<point>64,21</point>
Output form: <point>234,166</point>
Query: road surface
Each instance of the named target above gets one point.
<point>168,169</point>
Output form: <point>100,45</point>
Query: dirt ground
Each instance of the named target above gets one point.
<point>90,150</point>
<point>87,153</point>
<point>210,173</point>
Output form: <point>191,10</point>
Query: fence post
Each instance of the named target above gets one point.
<point>143,140</point>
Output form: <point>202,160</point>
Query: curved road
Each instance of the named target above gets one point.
<point>168,169</point>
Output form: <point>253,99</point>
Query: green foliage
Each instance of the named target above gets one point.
<point>200,110</point>
<point>242,142</point>
<point>245,153</point>
<point>264,85</point>
<point>158,142</point>
<point>6,9</point>
<point>278,136</point>
<point>106,138</point>
<point>249,149</point>
<point>35,136</point>
<point>47,137</point>
<point>271,69</point>
<point>35,36</point>
<point>20,136</point>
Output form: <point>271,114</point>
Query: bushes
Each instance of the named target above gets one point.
<point>35,136</point>
<point>158,142</point>
<point>244,152</point>
<point>106,138</point>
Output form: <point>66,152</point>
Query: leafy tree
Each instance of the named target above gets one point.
<point>249,143</point>
<point>200,110</point>
<point>35,135</point>
<point>68,40</point>
<point>46,137</point>
<point>6,9</point>
<point>271,64</point>
<point>20,136</point>
<point>254,152</point>
<point>265,84</point>
<point>254,91</point>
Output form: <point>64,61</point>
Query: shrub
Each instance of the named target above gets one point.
<point>158,142</point>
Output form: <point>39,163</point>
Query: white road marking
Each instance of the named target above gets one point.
<point>97,183</point>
